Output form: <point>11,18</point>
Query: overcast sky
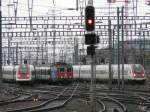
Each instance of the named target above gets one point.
<point>44,7</point>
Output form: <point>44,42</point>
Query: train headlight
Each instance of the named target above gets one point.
<point>19,75</point>
<point>143,75</point>
<point>134,74</point>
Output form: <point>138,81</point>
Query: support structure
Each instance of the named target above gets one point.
<point>122,28</point>
<point>92,89</point>
<point>110,55</point>
<point>0,44</point>
<point>118,37</point>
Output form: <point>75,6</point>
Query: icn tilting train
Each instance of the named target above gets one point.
<point>132,72</point>
<point>61,72</point>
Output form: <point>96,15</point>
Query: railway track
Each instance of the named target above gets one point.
<point>112,105</point>
<point>52,98</point>
<point>59,101</point>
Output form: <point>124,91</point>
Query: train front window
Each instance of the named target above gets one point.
<point>138,68</point>
<point>23,69</point>
<point>61,69</point>
<point>69,70</point>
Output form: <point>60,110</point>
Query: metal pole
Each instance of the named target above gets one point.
<point>76,50</point>
<point>93,109</point>
<point>77,4</point>
<point>4,58</point>
<point>54,30</point>
<point>42,55</point>
<point>54,48</point>
<point>0,43</point>
<point>8,50</point>
<point>13,56</point>
<point>110,54</point>
<point>136,6</point>
<point>90,2</point>
<point>17,53</point>
<point>62,55</point>
<point>73,62</point>
<point>113,48</point>
<point>29,57</point>
<point>122,48</point>
<point>144,49</point>
<point>37,54</point>
<point>118,47</point>
<point>20,57</point>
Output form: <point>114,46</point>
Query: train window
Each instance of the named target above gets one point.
<point>85,71</point>
<point>137,68</point>
<point>48,71</point>
<point>69,69</point>
<point>101,72</point>
<point>61,69</point>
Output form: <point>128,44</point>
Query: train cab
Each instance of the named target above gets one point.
<point>61,71</point>
<point>24,72</point>
<point>65,72</point>
<point>138,72</point>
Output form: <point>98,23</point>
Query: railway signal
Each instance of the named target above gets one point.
<point>91,39</point>
<point>147,2</point>
<point>91,50</point>
<point>89,18</point>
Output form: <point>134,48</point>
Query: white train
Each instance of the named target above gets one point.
<point>30,73</point>
<point>22,72</point>
<point>9,73</point>
<point>133,72</point>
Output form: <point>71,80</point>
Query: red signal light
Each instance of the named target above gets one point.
<point>89,21</point>
<point>89,18</point>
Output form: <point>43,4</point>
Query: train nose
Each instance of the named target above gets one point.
<point>141,75</point>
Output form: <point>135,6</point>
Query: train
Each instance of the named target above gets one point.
<point>68,72</point>
<point>31,73</point>
<point>132,72</point>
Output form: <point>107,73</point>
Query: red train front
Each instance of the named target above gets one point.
<point>138,72</point>
<point>23,73</point>
<point>61,71</point>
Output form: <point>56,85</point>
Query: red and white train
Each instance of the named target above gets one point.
<point>24,72</point>
<point>29,73</point>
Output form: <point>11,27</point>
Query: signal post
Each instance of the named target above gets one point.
<point>91,39</point>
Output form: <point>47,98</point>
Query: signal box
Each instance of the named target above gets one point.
<point>91,39</point>
<point>90,18</point>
